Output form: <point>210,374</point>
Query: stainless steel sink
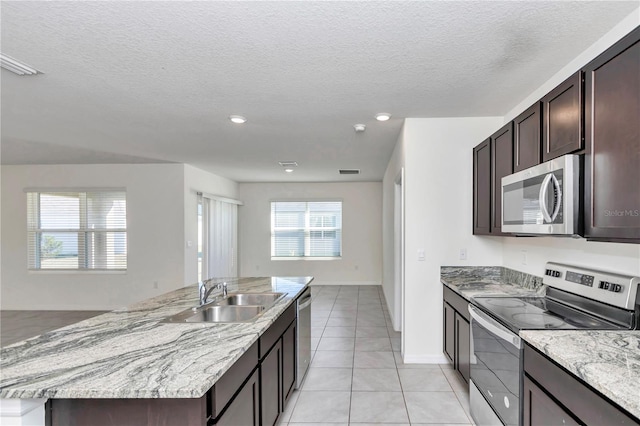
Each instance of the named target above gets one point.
<point>226,314</point>
<point>256,299</point>
<point>213,313</point>
<point>238,307</point>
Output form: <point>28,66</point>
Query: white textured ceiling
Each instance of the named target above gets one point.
<point>144,81</point>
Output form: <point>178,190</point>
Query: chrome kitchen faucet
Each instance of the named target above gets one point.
<point>204,292</point>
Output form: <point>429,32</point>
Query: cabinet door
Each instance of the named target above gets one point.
<point>288,362</point>
<point>449,335</point>
<point>271,385</point>
<point>501,166</point>
<point>463,346</point>
<point>482,188</point>
<point>541,410</point>
<point>244,410</point>
<point>612,133</point>
<point>526,143</point>
<point>562,119</point>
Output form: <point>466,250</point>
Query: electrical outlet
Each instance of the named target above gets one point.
<point>463,254</point>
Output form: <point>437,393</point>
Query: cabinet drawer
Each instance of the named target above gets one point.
<point>457,302</point>
<point>271,336</point>
<point>580,400</point>
<point>231,381</point>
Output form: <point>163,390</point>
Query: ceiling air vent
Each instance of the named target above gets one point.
<point>349,171</point>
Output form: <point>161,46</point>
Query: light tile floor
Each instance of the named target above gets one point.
<point>357,376</point>
<point>20,325</point>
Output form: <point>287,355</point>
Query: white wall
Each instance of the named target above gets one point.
<point>623,28</point>
<point>155,235</point>
<point>196,180</point>
<point>438,218</point>
<point>361,261</point>
<point>394,168</point>
<point>617,257</point>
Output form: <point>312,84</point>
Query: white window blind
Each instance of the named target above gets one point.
<point>306,229</point>
<point>217,238</point>
<point>77,230</point>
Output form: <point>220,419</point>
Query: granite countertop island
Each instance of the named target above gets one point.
<point>470,281</point>
<point>609,361</point>
<point>129,353</point>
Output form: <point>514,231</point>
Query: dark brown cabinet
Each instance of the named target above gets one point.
<point>501,166</point>
<point>288,362</point>
<point>492,160</point>
<point>552,396</point>
<point>277,366</point>
<point>456,332</point>
<point>612,135</point>
<point>541,410</point>
<point>271,385</point>
<point>245,408</point>
<point>482,188</point>
<point>463,334</point>
<point>526,141</point>
<point>449,332</point>
<point>562,119</point>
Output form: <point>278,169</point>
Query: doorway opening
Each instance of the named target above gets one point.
<point>398,255</point>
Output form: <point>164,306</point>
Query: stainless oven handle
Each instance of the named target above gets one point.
<point>544,189</point>
<point>494,328</point>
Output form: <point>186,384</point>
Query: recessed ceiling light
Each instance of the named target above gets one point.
<point>383,116</point>
<point>288,170</point>
<point>238,119</point>
<point>16,66</point>
<point>359,127</point>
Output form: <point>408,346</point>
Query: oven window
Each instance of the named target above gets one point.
<point>495,370</point>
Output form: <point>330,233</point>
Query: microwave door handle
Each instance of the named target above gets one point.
<point>558,199</point>
<point>544,189</point>
<point>494,328</point>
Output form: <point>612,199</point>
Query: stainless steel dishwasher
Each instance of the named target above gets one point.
<point>303,338</point>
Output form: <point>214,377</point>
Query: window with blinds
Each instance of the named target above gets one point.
<point>77,230</point>
<point>306,229</point>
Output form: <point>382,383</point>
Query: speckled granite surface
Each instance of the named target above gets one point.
<point>127,353</point>
<point>609,361</point>
<point>469,281</point>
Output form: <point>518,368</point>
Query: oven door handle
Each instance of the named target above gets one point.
<point>494,327</point>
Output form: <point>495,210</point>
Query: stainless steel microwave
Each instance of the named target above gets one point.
<point>544,199</point>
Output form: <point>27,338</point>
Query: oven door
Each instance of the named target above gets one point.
<point>495,370</point>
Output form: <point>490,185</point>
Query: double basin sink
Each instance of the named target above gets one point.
<point>238,307</point>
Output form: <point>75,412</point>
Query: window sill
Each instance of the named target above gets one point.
<point>307,258</point>
<point>77,271</point>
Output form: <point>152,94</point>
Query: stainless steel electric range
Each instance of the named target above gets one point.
<point>576,298</point>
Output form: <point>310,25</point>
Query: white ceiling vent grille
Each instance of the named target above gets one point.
<point>349,171</point>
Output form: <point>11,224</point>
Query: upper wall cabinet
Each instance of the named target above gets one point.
<point>526,143</point>
<point>562,119</point>
<point>501,166</point>
<point>612,135</point>
<point>492,160</point>
<point>482,188</point>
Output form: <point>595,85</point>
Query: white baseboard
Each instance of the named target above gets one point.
<point>425,359</point>
<point>316,282</point>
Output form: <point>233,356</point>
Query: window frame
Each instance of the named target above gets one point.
<point>307,229</point>
<point>83,231</point>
